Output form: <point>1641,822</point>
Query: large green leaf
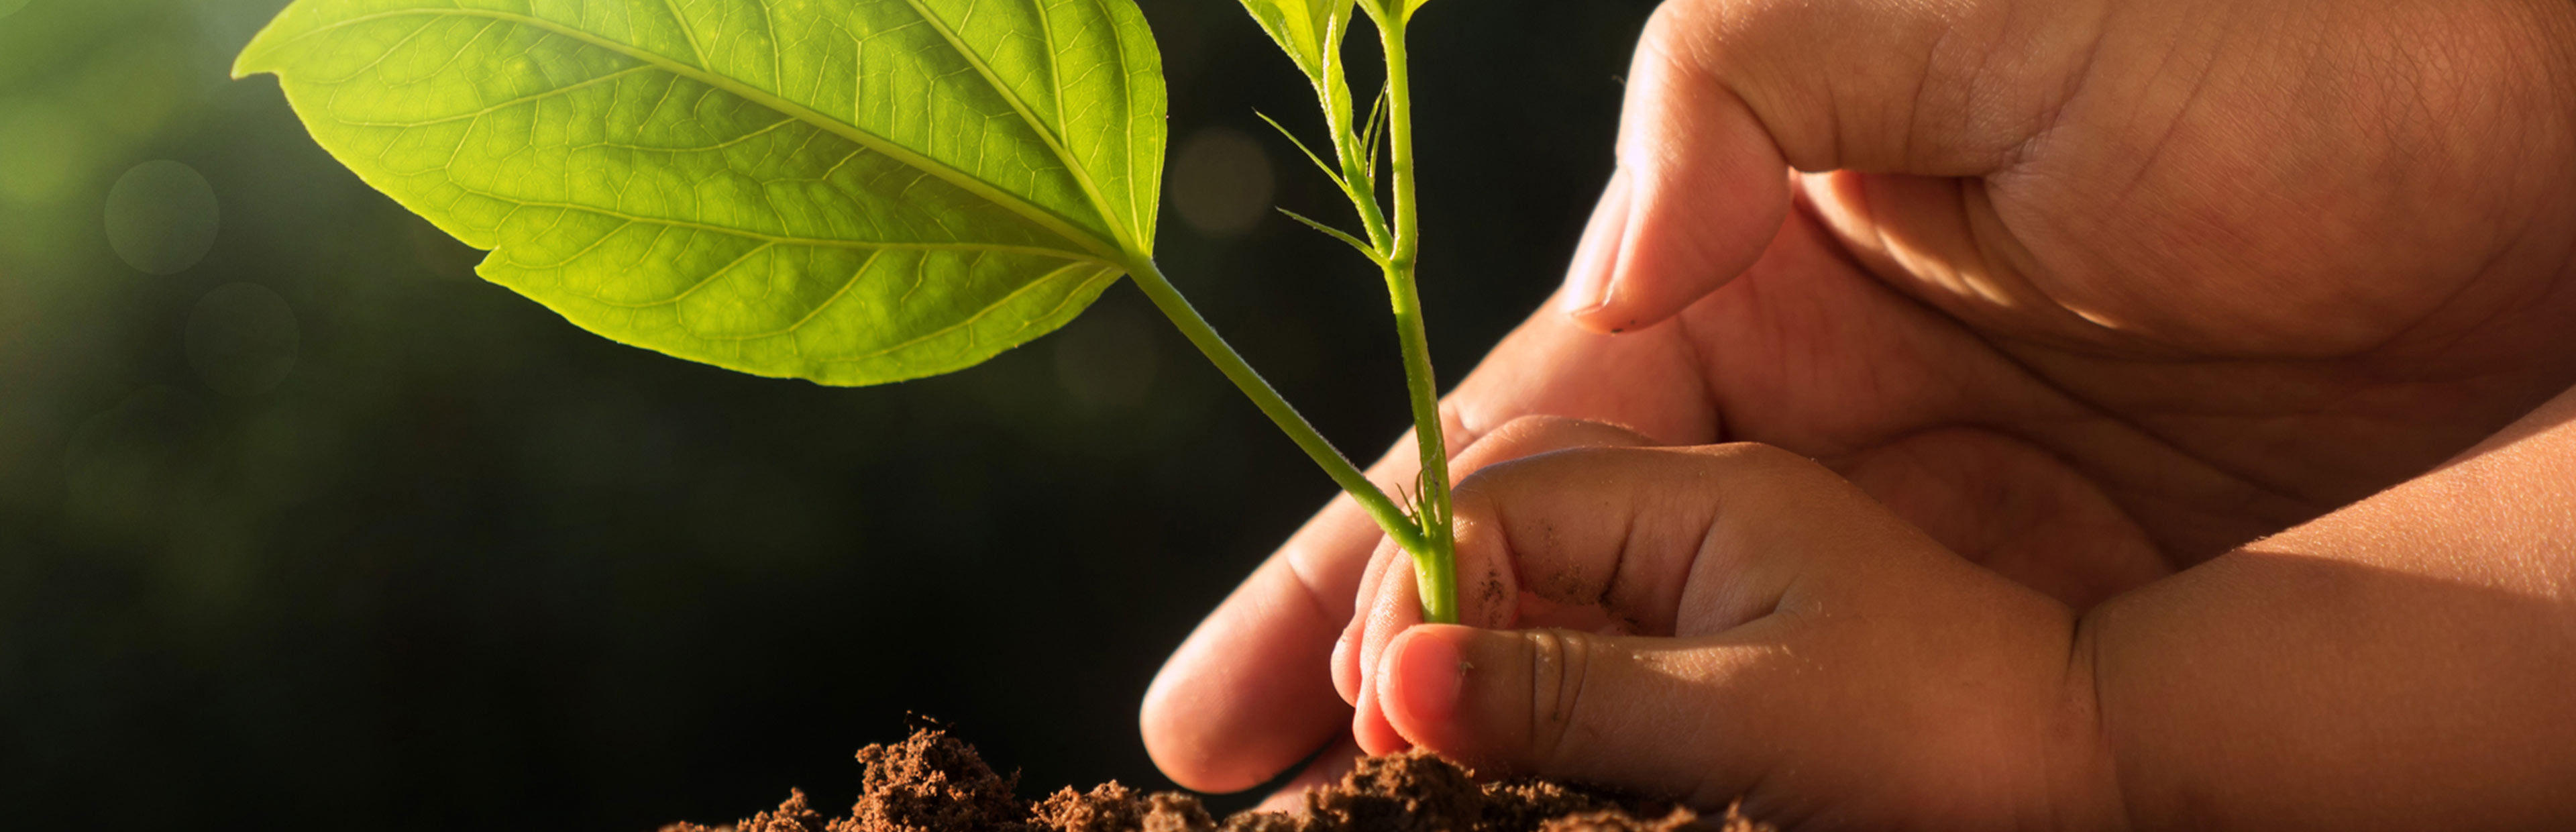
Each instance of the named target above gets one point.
<point>849,191</point>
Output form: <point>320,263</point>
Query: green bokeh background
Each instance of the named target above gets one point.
<point>322,532</point>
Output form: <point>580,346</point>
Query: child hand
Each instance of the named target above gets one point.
<point>1753,625</point>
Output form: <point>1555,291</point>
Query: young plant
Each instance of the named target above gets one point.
<point>851,192</point>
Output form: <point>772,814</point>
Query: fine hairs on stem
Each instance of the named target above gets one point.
<point>1311,32</point>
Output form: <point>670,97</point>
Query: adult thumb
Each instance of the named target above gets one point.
<point>1699,191</point>
<point>1623,711</point>
<point>1726,97</point>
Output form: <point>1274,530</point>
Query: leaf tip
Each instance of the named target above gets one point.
<point>259,57</point>
<point>251,61</point>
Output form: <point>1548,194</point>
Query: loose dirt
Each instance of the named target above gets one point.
<point>935,783</point>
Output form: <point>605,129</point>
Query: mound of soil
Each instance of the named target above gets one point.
<point>935,783</point>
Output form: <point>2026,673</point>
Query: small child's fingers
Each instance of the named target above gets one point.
<point>1690,718</point>
<point>1825,646</point>
<point>1397,608</point>
<point>1347,671</point>
<point>1483,600</point>
<point>1634,532</point>
<point>1680,541</point>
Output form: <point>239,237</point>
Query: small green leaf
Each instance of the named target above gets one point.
<point>1309,30</point>
<point>1378,9</point>
<point>1372,136</point>
<point>853,192</point>
<point>1329,173</point>
<point>1338,234</point>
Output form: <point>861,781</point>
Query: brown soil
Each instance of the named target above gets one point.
<point>936,783</point>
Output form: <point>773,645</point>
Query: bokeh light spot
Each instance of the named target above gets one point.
<point>243,339</point>
<point>162,217</point>
<point>1221,182</point>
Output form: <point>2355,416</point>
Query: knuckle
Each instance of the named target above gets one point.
<point>1458,423</point>
<point>1482,478</point>
<point>1559,661</point>
<point>1537,423</point>
<point>1670,25</point>
<point>1764,459</point>
<point>1537,459</point>
<point>1682,31</point>
<point>1507,440</point>
<point>1660,24</point>
<point>1525,435</point>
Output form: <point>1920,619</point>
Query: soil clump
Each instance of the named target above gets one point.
<point>933,782</point>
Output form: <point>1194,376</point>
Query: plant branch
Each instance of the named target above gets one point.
<point>1385,511</point>
<point>1358,180</point>
<point>1374,133</point>
<point>1338,234</point>
<point>1436,568</point>
<point>1329,173</point>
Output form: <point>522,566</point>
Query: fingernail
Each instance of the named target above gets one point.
<point>1428,674</point>
<point>1587,281</point>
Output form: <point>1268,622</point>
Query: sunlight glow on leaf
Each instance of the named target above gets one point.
<point>852,192</point>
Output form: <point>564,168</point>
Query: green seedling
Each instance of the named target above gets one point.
<point>851,192</point>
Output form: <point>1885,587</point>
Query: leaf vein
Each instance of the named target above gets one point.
<point>1105,251</point>
<point>525,99</point>
<point>1055,144</point>
<point>688,34</point>
<point>969,321</point>
<point>821,242</point>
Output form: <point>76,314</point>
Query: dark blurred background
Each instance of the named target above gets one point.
<point>304,527</point>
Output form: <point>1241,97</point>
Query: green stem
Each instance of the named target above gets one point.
<point>1372,219</point>
<point>1356,182</point>
<point>1388,515</point>
<point>1435,569</point>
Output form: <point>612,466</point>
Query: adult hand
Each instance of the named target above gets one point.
<point>2098,289</point>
